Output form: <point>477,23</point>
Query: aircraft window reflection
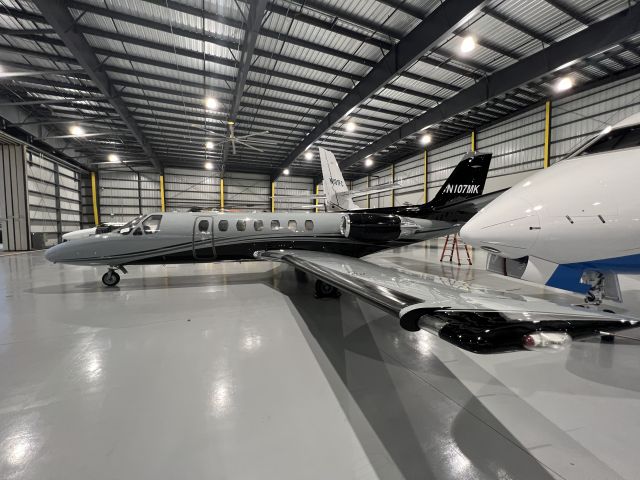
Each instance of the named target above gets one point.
<point>152,224</point>
<point>275,225</point>
<point>241,225</point>
<point>223,225</point>
<point>615,140</point>
<point>258,225</point>
<point>203,226</point>
<point>308,225</point>
<point>293,225</point>
<point>127,227</point>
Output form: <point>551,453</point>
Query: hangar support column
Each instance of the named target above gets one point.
<point>14,204</point>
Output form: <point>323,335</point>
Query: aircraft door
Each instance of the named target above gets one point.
<point>203,248</point>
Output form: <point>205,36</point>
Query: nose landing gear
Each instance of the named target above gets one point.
<point>111,278</point>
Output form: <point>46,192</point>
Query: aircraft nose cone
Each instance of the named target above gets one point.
<point>53,253</point>
<point>508,227</point>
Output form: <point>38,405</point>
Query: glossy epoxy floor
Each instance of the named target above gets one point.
<point>235,371</point>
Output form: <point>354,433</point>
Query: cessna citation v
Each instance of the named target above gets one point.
<point>575,225</point>
<point>324,245</point>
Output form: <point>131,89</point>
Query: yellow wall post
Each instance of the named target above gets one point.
<point>547,133</point>
<point>162,206</point>
<point>317,193</point>
<point>368,196</point>
<point>473,140</point>
<point>221,193</point>
<point>94,198</point>
<point>393,179</point>
<point>273,196</point>
<point>425,177</point>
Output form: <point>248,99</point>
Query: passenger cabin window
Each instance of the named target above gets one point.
<point>223,225</point>
<point>615,140</point>
<point>151,224</point>
<point>203,226</point>
<point>241,225</point>
<point>275,225</point>
<point>258,225</point>
<point>293,225</point>
<point>308,225</point>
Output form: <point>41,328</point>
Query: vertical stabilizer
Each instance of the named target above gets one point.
<point>337,194</point>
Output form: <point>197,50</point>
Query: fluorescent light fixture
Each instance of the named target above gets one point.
<point>368,162</point>
<point>208,166</point>
<point>209,145</point>
<point>350,126</point>
<point>425,139</point>
<point>211,103</point>
<point>308,155</point>
<point>468,44</point>
<point>286,171</point>
<point>564,84</point>
<point>76,130</point>
<point>113,158</point>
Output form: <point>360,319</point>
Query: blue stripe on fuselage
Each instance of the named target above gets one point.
<point>567,276</point>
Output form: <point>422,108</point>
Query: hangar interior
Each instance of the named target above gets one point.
<point>116,108</point>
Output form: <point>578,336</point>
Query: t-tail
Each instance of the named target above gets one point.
<point>466,181</point>
<point>335,188</point>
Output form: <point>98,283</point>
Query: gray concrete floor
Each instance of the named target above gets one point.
<point>235,371</point>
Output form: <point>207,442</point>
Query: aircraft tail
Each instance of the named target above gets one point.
<point>466,181</point>
<point>335,188</point>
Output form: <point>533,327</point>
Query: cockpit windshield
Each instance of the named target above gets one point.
<point>127,227</point>
<point>617,139</point>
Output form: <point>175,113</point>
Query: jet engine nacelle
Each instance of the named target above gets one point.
<point>371,227</point>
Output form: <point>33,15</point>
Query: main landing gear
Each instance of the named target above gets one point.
<point>596,293</point>
<point>324,290</point>
<point>111,278</point>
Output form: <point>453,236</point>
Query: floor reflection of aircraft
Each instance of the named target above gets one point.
<point>328,246</point>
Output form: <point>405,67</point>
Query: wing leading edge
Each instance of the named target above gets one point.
<point>477,320</point>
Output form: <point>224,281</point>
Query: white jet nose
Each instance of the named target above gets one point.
<point>508,227</point>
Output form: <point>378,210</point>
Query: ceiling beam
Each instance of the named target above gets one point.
<point>58,16</point>
<point>444,19</point>
<point>597,37</point>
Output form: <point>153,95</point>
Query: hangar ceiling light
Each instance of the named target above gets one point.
<point>350,126</point>
<point>564,84</point>
<point>468,44</point>
<point>211,103</point>
<point>368,162</point>
<point>208,166</point>
<point>209,145</point>
<point>286,171</point>
<point>113,158</point>
<point>76,130</point>
<point>425,139</point>
<point>308,155</point>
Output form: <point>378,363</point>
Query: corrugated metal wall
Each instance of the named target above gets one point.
<point>54,197</point>
<point>442,160</point>
<point>186,188</point>
<point>410,173</point>
<point>293,193</point>
<point>580,116</point>
<point>250,191</point>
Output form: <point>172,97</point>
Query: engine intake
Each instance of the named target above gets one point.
<point>371,227</point>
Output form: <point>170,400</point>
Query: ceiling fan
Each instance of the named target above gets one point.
<point>248,140</point>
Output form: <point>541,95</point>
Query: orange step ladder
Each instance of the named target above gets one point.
<point>452,247</point>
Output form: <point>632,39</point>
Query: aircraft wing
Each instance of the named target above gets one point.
<point>472,318</point>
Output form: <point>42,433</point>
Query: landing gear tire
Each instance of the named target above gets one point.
<point>324,290</point>
<point>111,278</point>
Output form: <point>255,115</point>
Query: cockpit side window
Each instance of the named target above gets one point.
<point>137,231</point>
<point>152,224</point>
